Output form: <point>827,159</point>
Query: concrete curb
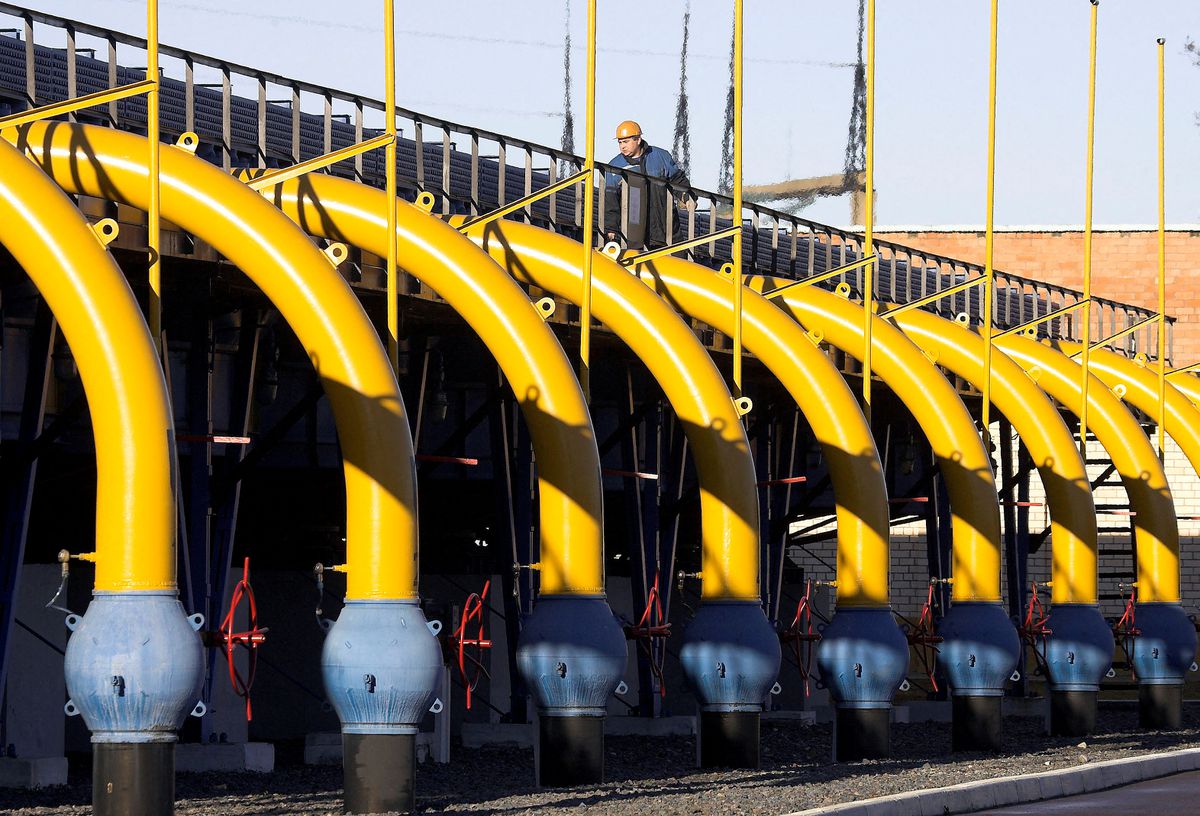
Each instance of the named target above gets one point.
<point>1016,790</point>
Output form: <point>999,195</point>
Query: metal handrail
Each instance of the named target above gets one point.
<point>786,225</point>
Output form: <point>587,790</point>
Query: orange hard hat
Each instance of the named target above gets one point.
<point>628,128</point>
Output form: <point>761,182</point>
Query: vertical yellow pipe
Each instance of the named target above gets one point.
<point>589,199</point>
<point>1162,251</point>
<point>869,213</point>
<point>737,197</point>
<point>152,225</point>
<point>990,230</point>
<point>1086,311</point>
<point>389,67</point>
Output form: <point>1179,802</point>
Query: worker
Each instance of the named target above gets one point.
<point>647,196</point>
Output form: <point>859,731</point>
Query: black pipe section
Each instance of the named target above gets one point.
<point>1160,707</point>
<point>133,778</point>
<point>729,739</point>
<point>978,723</point>
<point>1072,713</point>
<point>862,733</point>
<point>380,771</point>
<point>570,751</point>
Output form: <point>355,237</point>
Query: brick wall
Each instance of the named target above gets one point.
<point>1124,265</point>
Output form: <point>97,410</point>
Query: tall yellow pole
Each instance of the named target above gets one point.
<point>989,239</point>
<point>589,203</point>
<point>152,225</point>
<point>1162,250</point>
<point>869,213</point>
<point>737,198</point>
<point>389,67</point>
<point>1086,311</point>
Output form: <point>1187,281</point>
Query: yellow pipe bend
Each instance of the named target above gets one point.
<point>381,531</point>
<point>964,464</point>
<point>821,392</point>
<point>568,464</point>
<point>1050,443</point>
<point>1141,391</point>
<point>687,375</point>
<point>1188,385</point>
<point>126,392</point>
<point>1155,527</point>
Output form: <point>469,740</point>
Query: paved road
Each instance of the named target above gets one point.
<point>1177,795</point>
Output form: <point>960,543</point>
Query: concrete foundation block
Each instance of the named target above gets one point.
<point>37,772</point>
<point>197,757</point>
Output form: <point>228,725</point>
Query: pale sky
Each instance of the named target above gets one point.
<point>498,65</point>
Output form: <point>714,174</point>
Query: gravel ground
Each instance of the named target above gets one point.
<point>656,775</point>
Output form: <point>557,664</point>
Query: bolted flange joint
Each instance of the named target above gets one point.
<point>381,663</point>
<point>980,649</point>
<point>730,656</point>
<point>863,657</point>
<point>1079,648</point>
<point>572,655</point>
<point>134,666</point>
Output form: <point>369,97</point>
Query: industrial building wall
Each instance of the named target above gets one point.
<point>1125,264</point>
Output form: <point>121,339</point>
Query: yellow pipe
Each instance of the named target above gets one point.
<point>688,377</point>
<point>868,316</point>
<point>589,204</point>
<point>1189,386</point>
<point>499,311</point>
<point>829,406</point>
<point>990,233</point>
<point>736,251</point>
<point>1181,419</point>
<point>389,202</point>
<point>381,532</point>
<point>1050,443</point>
<point>126,392</point>
<point>1086,311</point>
<point>960,454</point>
<point>153,227</point>
<point>1155,528</point>
<point>1162,249</point>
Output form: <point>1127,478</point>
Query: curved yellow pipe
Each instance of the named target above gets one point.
<point>827,403</point>
<point>961,458</point>
<point>126,392</point>
<point>1156,530</point>
<point>568,464</point>
<point>1050,443</point>
<point>381,531</point>
<point>1188,385</point>
<point>1141,391</point>
<point>688,377</point>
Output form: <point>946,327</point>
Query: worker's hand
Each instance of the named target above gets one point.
<point>689,204</point>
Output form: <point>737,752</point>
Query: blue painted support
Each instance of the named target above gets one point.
<point>1163,653</point>
<point>572,656</point>
<point>1079,649</point>
<point>978,657</point>
<point>731,657</point>
<point>862,660</point>
<point>134,666</point>
<point>381,663</point>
